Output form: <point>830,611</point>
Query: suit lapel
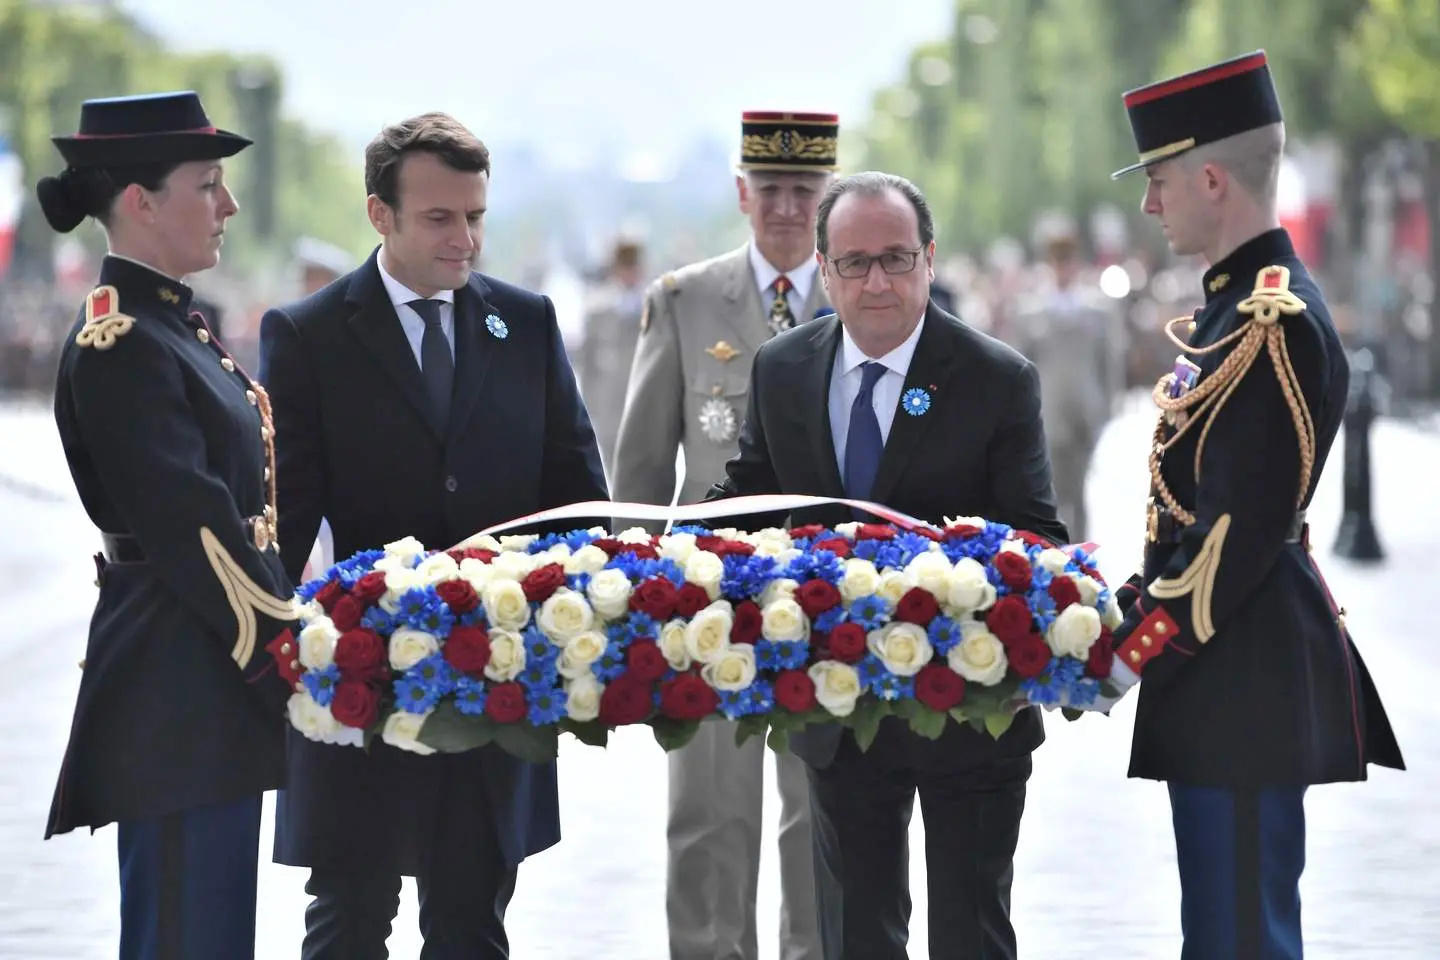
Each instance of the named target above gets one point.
<point>746,313</point>
<point>818,364</point>
<point>931,369</point>
<point>376,325</point>
<point>474,346</point>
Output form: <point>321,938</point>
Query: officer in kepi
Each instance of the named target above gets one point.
<point>179,723</point>
<point>1252,688</point>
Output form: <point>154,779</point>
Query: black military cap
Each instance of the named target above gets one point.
<point>152,128</point>
<point>789,142</point>
<point>1172,116</point>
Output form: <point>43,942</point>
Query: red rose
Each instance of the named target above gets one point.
<point>962,530</point>
<point>723,548</point>
<point>505,703</point>
<point>361,654</point>
<point>930,533</point>
<point>543,581</point>
<point>1064,592</point>
<point>836,545</point>
<point>645,660</point>
<point>467,649</point>
<point>458,595</point>
<point>356,703</point>
<point>747,623</point>
<point>795,691</point>
<point>330,595</point>
<point>1029,656</point>
<point>642,551</point>
<point>917,606</point>
<point>471,553</point>
<point>939,687</point>
<point>1009,619</point>
<point>807,531</point>
<point>875,531</point>
<point>691,600</point>
<point>816,596</point>
<point>369,588</point>
<point>656,597</point>
<point>1032,539</point>
<point>1014,569</point>
<point>346,613</point>
<point>847,642</point>
<point>1102,652</point>
<point>687,697</point>
<point>627,699</point>
<point>610,545</point>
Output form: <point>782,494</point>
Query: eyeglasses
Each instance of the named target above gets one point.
<point>895,262</point>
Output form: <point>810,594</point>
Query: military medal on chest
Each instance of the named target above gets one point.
<point>718,420</point>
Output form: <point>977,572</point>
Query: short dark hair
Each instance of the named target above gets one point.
<point>80,192</point>
<point>872,183</point>
<point>435,133</point>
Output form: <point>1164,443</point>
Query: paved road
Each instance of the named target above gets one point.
<point>1095,867</point>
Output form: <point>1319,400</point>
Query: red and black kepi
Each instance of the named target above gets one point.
<point>1191,110</point>
<point>151,128</point>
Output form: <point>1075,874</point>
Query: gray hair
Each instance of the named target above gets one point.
<point>1252,158</point>
<point>872,183</point>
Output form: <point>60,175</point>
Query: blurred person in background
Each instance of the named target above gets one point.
<point>612,327</point>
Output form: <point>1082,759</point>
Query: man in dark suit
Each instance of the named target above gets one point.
<point>826,418</point>
<point>416,397</point>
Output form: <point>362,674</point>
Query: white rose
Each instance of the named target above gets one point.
<point>513,566</point>
<point>728,533</point>
<point>1015,546</point>
<point>848,529</point>
<point>837,686</point>
<point>782,588</point>
<point>733,670</point>
<point>309,612</point>
<point>477,573</point>
<point>977,522</point>
<point>903,647</point>
<point>505,604</point>
<point>672,644</point>
<point>708,632</point>
<point>409,646</point>
<point>1054,560</point>
<point>979,656</point>
<point>784,620</point>
<point>634,535</point>
<point>318,723</point>
<point>507,655</point>
<point>436,568</point>
<point>406,549</point>
<point>388,563</point>
<point>931,572</point>
<point>1112,616</point>
<point>1089,590</point>
<point>317,644</point>
<point>397,584</point>
<point>1074,631</point>
<point>609,593</point>
<point>970,589</point>
<point>677,547</point>
<point>564,615</point>
<point>482,541</point>
<point>557,553</point>
<point>772,541</point>
<point>579,653</point>
<point>582,698</point>
<point>518,542</point>
<point>402,730</point>
<point>860,579</point>
<point>705,570</point>
<point>588,559</point>
<point>892,586</point>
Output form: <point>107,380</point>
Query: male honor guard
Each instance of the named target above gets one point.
<point>700,328</point>
<point>1252,687</point>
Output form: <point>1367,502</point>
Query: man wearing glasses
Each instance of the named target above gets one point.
<point>897,402</point>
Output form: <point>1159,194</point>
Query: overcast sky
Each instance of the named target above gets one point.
<point>569,75</point>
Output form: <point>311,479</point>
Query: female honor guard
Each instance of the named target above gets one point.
<point>178,726</point>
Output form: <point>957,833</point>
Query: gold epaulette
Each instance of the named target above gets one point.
<point>104,323</point>
<point>1271,297</point>
<point>670,285</point>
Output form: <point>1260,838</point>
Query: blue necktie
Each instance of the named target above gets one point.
<point>863,443</point>
<point>437,366</point>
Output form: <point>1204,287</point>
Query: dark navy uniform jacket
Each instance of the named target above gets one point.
<point>180,703</point>
<point>1250,676</point>
<point>359,447</point>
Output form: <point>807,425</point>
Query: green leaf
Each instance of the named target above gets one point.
<point>909,709</point>
<point>997,723</point>
<point>673,734</point>
<point>1071,714</point>
<point>778,740</point>
<point>447,730</point>
<point>754,725</point>
<point>591,732</point>
<point>978,723</point>
<point>1109,690</point>
<point>865,721</point>
<point>930,724</point>
<point>528,742</point>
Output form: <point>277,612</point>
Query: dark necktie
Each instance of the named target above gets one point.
<point>437,366</point>
<point>863,443</point>
<point>781,319</point>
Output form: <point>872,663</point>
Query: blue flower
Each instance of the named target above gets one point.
<point>830,619</point>
<point>377,619</point>
<point>496,326</point>
<point>759,697</point>
<point>579,582</point>
<point>691,528</point>
<point>1058,679</point>
<point>781,654</point>
<point>470,696</point>
<point>307,590</point>
<point>413,695</point>
<point>818,565</point>
<point>883,553</point>
<point>424,610</point>
<point>944,634</point>
<point>915,401</point>
<point>1084,691</point>
<point>475,618</point>
<point>538,647</point>
<point>436,673</point>
<point>891,687</point>
<point>637,626</point>
<point>539,677</point>
<point>546,706</point>
<point>746,576</point>
<point>612,662</point>
<point>321,684</point>
<point>871,670</point>
<point>871,612</point>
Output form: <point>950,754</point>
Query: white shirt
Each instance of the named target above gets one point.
<point>847,378</point>
<point>802,278</point>
<point>410,321</point>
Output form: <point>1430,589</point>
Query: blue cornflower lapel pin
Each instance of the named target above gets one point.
<point>497,327</point>
<point>915,401</point>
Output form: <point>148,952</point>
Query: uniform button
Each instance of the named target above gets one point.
<point>202,335</point>
<point>250,395</point>
<point>228,364</point>
<point>451,484</point>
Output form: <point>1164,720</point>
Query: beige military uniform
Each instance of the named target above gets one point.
<point>688,390</point>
